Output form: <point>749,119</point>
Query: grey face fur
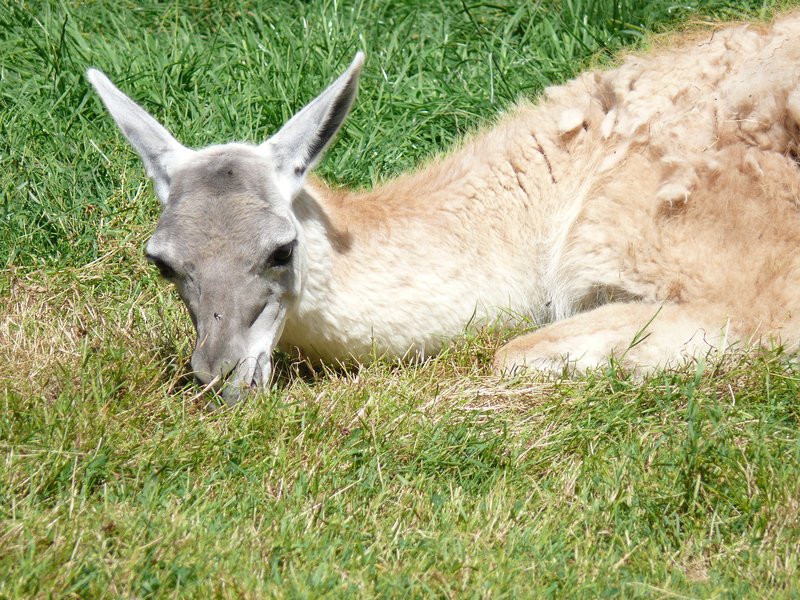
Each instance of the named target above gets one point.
<point>227,241</point>
<point>227,237</point>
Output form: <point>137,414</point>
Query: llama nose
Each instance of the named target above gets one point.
<point>209,375</point>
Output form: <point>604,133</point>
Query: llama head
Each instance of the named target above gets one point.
<point>227,236</point>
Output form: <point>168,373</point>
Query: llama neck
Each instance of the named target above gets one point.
<point>414,262</point>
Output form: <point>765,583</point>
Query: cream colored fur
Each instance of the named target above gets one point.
<point>657,202</point>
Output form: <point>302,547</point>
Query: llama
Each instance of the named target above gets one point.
<point>647,213</point>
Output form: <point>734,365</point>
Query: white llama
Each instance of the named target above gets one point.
<point>655,203</point>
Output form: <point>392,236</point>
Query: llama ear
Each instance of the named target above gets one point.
<point>297,147</point>
<point>160,152</point>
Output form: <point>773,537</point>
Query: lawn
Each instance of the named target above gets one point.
<point>380,481</point>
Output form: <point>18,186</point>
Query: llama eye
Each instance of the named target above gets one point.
<point>282,255</point>
<point>163,268</point>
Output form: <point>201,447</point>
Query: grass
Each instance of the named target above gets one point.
<point>396,481</point>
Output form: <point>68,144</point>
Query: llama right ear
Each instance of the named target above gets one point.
<point>160,152</point>
<point>299,145</point>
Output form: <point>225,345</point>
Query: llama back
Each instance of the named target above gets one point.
<point>735,85</point>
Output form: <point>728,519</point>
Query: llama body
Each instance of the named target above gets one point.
<point>649,212</point>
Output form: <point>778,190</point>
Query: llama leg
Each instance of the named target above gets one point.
<point>641,337</point>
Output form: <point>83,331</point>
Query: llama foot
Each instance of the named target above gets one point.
<point>639,337</point>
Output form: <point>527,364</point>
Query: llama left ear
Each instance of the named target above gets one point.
<point>299,145</point>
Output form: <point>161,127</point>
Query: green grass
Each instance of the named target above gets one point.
<point>398,481</point>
